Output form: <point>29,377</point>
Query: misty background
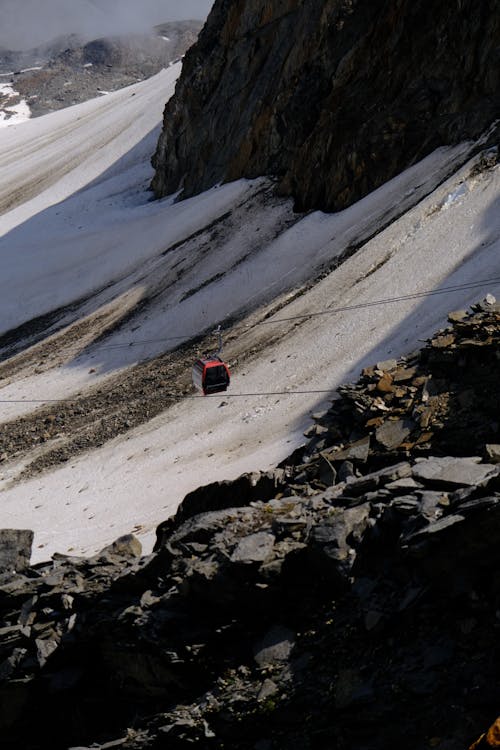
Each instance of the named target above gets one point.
<point>27,23</point>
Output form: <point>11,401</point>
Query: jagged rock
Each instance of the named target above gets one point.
<point>493,453</point>
<point>15,549</point>
<point>267,690</point>
<point>125,546</point>
<point>326,472</point>
<point>44,648</point>
<point>357,451</point>
<point>275,646</point>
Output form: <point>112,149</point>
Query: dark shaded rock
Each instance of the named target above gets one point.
<point>493,453</point>
<point>254,548</point>
<point>275,646</point>
<point>221,495</point>
<point>15,550</point>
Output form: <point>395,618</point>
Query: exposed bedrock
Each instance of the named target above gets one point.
<point>334,98</point>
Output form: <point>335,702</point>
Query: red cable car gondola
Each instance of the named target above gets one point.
<point>210,372</point>
<point>211,375</point>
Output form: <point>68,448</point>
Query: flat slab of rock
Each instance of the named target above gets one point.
<point>454,472</point>
<point>254,548</point>
<point>391,434</point>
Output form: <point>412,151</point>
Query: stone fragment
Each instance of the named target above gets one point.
<point>443,341</point>
<point>434,529</point>
<point>457,315</point>
<point>15,549</point>
<point>267,690</point>
<point>27,615</point>
<point>125,546</point>
<point>406,483</point>
<point>493,452</point>
<point>254,548</point>
<point>454,472</point>
<point>406,504</point>
<point>357,451</point>
<point>346,472</point>
<point>8,667</point>
<point>326,472</point>
<point>387,365</point>
<point>392,433</point>
<point>384,385</point>
<point>431,504</point>
<point>44,648</point>
<point>403,374</point>
<point>275,647</point>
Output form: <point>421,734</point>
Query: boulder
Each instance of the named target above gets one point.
<point>275,647</point>
<point>15,549</point>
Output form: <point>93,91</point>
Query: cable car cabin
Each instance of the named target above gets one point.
<point>211,375</point>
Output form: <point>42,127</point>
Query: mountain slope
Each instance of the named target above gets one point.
<point>112,284</point>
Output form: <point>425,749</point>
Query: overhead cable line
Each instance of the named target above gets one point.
<point>387,300</point>
<point>330,311</point>
<point>174,396</point>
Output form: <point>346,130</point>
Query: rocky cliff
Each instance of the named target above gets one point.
<point>334,98</point>
<point>348,600</point>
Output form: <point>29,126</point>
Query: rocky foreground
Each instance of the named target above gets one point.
<point>349,599</point>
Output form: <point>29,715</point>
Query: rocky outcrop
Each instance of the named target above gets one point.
<point>339,602</point>
<point>334,98</point>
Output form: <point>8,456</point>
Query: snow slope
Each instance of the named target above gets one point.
<point>80,235</point>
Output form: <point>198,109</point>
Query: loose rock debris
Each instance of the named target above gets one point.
<point>349,599</point>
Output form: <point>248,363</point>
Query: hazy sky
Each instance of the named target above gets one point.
<point>24,23</point>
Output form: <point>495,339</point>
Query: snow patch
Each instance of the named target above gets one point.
<point>459,192</point>
<point>15,113</point>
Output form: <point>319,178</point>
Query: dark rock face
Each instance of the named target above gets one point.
<point>320,609</point>
<point>334,97</point>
